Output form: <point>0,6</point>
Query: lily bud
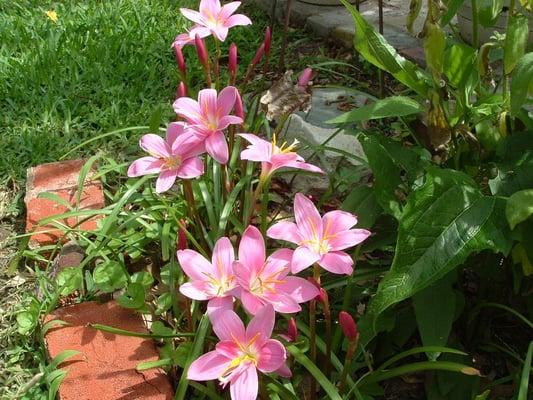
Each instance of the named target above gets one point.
<point>268,39</point>
<point>232,61</point>
<point>258,55</point>
<point>238,108</point>
<point>182,90</point>
<point>180,60</point>
<point>292,330</point>
<point>323,297</point>
<point>201,51</point>
<point>182,237</point>
<point>305,78</point>
<point>349,328</point>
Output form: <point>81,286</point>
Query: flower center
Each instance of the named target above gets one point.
<point>318,246</point>
<point>220,287</point>
<point>284,148</point>
<point>172,162</point>
<point>266,284</point>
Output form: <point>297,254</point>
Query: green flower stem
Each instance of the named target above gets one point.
<point>193,211</point>
<point>312,329</point>
<point>216,64</point>
<point>347,363</point>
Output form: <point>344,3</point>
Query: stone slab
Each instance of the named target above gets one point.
<point>61,179</point>
<point>105,367</point>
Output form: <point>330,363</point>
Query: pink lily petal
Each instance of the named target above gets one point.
<point>221,32</point>
<point>243,274</point>
<point>191,168</point>
<point>217,147</point>
<point>252,249</point>
<point>192,15</point>
<point>226,100</point>
<point>337,262</point>
<point>194,290</point>
<point>228,348</point>
<point>217,304</point>
<point>155,145</point>
<point>174,129</point>
<point>282,160</point>
<point>165,180</point>
<point>301,290</point>
<point>227,120</point>
<point>223,257</point>
<point>228,326</point>
<point>284,371</point>
<point>201,31</point>
<point>262,324</point>
<point>237,20</point>
<point>285,230</point>
<point>280,260</point>
<point>303,258</point>
<point>145,166</point>
<point>186,107</point>
<point>337,220</point>
<point>183,39</point>
<point>207,367</point>
<point>282,302</point>
<point>307,218</point>
<point>194,264</point>
<point>304,166</point>
<point>229,9</point>
<point>343,240</point>
<point>272,356</point>
<point>209,7</point>
<point>207,99</point>
<point>251,302</point>
<point>189,144</point>
<point>245,386</point>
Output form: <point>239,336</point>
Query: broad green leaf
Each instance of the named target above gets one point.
<point>434,46</point>
<point>362,202</point>
<point>163,302</point>
<point>395,106</point>
<point>489,11</point>
<point>515,41</point>
<point>521,257</point>
<point>443,222</point>
<point>144,278</point>
<point>434,310</point>
<point>163,362</point>
<point>376,50</point>
<point>388,160</point>
<point>522,82</point>
<point>110,276</point>
<point>527,4</point>
<point>69,280</point>
<point>414,10</point>
<point>459,63</point>
<point>519,207</point>
<point>26,322</point>
<point>513,177</point>
<point>452,6</point>
<point>133,297</point>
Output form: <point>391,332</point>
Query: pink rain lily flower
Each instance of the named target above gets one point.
<point>215,19</point>
<point>273,157</point>
<point>240,353</point>
<point>319,239</point>
<point>213,281</point>
<point>173,157</point>
<point>266,281</point>
<point>208,116</point>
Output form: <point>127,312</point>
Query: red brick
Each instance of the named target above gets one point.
<point>61,179</point>
<point>105,367</point>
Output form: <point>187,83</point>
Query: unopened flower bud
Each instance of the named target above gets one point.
<point>238,108</point>
<point>349,328</point>
<point>258,55</point>
<point>305,78</point>
<point>292,330</point>
<point>182,236</point>
<point>182,90</point>
<point>232,61</point>
<point>323,296</point>
<point>268,39</point>
<point>201,51</point>
<point>180,60</point>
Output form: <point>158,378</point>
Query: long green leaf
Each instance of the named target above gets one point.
<point>326,384</point>
<point>452,7</point>
<point>61,357</point>
<point>163,362</point>
<point>395,106</point>
<point>417,350</point>
<point>522,82</point>
<point>524,379</point>
<point>376,50</point>
<point>230,203</point>
<point>443,222</point>
<point>516,39</point>
<point>123,332</point>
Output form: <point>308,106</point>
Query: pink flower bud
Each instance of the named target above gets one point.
<point>258,55</point>
<point>182,90</point>
<point>323,296</point>
<point>268,39</point>
<point>305,78</point>
<point>179,59</point>
<point>182,237</point>
<point>232,61</point>
<point>201,50</point>
<point>238,108</point>
<point>292,330</point>
<point>349,328</point>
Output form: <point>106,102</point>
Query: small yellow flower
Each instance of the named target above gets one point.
<point>52,15</point>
